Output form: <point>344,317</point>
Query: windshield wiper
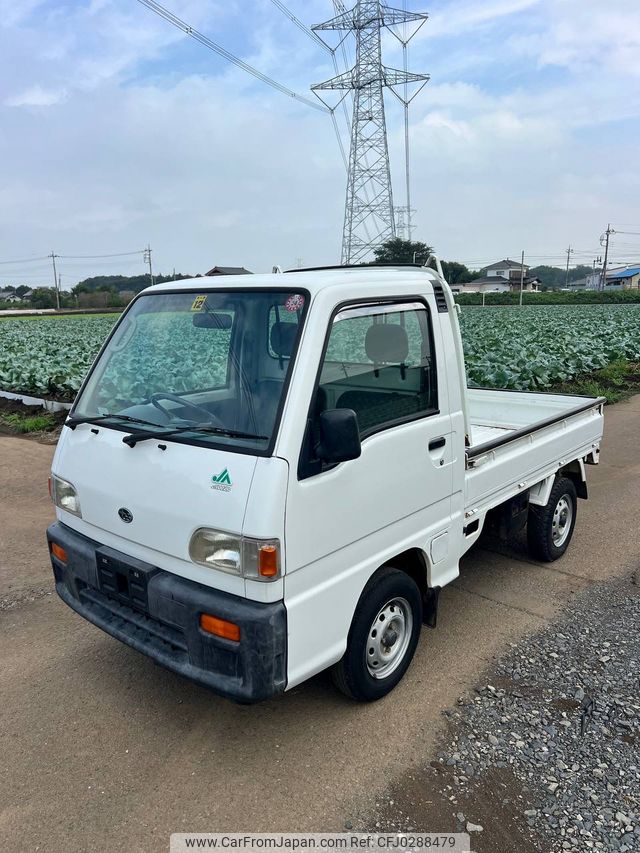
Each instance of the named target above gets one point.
<point>143,435</point>
<point>72,422</point>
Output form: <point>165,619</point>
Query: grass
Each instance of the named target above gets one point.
<point>617,381</point>
<point>28,423</point>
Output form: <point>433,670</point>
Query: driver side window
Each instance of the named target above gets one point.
<point>380,363</point>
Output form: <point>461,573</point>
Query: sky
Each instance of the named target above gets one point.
<point>118,131</point>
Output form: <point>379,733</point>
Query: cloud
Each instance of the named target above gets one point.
<point>36,96</point>
<point>524,138</point>
<point>457,18</point>
<point>585,34</point>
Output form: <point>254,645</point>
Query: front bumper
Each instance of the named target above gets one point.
<point>163,621</point>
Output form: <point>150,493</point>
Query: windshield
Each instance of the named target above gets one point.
<point>212,365</point>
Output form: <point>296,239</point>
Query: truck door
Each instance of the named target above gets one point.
<point>384,361</point>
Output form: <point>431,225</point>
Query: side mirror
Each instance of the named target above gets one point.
<point>339,436</point>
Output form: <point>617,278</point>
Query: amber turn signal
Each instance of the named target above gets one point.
<point>268,561</point>
<point>220,627</point>
<point>59,552</point>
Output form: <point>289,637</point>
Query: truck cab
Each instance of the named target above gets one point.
<point>265,476</point>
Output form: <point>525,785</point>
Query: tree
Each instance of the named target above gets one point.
<point>457,273</point>
<point>117,283</point>
<point>555,277</point>
<point>43,297</point>
<point>399,251</point>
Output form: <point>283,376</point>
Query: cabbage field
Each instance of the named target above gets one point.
<point>509,347</point>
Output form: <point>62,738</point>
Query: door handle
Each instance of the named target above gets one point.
<point>437,443</point>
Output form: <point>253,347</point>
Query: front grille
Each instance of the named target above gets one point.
<point>125,582</point>
<point>148,632</point>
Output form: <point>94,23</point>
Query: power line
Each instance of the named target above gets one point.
<point>94,257</point>
<point>225,54</point>
<point>26,260</point>
<point>305,29</point>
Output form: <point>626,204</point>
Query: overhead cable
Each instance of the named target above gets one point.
<point>221,51</point>
<point>26,260</point>
<point>93,257</point>
<point>301,26</point>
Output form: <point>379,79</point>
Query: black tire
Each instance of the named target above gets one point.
<point>540,525</point>
<point>352,675</point>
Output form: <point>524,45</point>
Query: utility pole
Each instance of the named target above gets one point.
<point>56,282</point>
<point>521,277</point>
<point>369,217</point>
<point>605,237</point>
<point>596,262</point>
<point>569,253</point>
<point>147,260</point>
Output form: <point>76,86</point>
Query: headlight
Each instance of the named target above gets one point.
<point>216,550</point>
<point>65,496</point>
<point>255,559</point>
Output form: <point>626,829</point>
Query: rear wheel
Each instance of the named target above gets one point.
<point>383,636</point>
<point>550,527</point>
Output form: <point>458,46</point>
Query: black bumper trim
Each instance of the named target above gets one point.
<point>247,671</point>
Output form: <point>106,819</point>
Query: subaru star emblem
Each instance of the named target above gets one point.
<point>125,515</point>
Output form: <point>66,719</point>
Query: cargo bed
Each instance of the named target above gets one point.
<point>517,438</point>
<point>498,416</point>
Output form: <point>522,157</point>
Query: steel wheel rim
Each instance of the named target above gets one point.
<point>388,638</point>
<point>561,521</point>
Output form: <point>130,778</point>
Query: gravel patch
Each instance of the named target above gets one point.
<point>14,600</point>
<point>549,742</point>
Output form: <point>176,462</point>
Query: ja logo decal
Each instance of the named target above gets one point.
<point>222,481</point>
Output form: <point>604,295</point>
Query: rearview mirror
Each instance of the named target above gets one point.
<point>339,436</point>
<point>203,320</point>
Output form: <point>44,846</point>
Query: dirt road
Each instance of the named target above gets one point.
<point>100,750</point>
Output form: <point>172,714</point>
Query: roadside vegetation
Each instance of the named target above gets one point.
<point>33,421</point>
<point>552,297</point>
<point>617,381</point>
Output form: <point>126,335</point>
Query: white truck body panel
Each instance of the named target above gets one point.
<point>528,450</point>
<point>338,527</point>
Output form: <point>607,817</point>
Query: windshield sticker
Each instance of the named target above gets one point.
<point>295,302</point>
<point>222,481</point>
<point>198,303</point>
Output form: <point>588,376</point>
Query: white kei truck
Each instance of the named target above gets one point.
<point>264,476</point>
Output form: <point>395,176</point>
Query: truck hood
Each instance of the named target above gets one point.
<point>169,493</point>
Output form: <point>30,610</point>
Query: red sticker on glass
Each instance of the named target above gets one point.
<point>295,302</point>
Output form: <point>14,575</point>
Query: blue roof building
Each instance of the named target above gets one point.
<point>624,279</point>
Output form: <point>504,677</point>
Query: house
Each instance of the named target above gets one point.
<point>486,284</point>
<point>228,271</point>
<point>9,296</point>
<point>502,277</point>
<point>627,278</point>
<point>509,270</point>
<point>593,280</point>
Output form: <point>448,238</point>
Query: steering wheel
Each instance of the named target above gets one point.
<point>200,411</point>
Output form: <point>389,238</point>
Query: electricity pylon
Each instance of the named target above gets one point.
<point>369,213</point>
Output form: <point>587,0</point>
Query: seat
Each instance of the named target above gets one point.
<point>267,392</point>
<point>387,346</point>
<point>376,407</point>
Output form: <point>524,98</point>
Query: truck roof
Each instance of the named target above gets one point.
<point>313,280</point>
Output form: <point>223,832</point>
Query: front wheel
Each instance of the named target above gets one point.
<point>550,527</point>
<point>383,636</point>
